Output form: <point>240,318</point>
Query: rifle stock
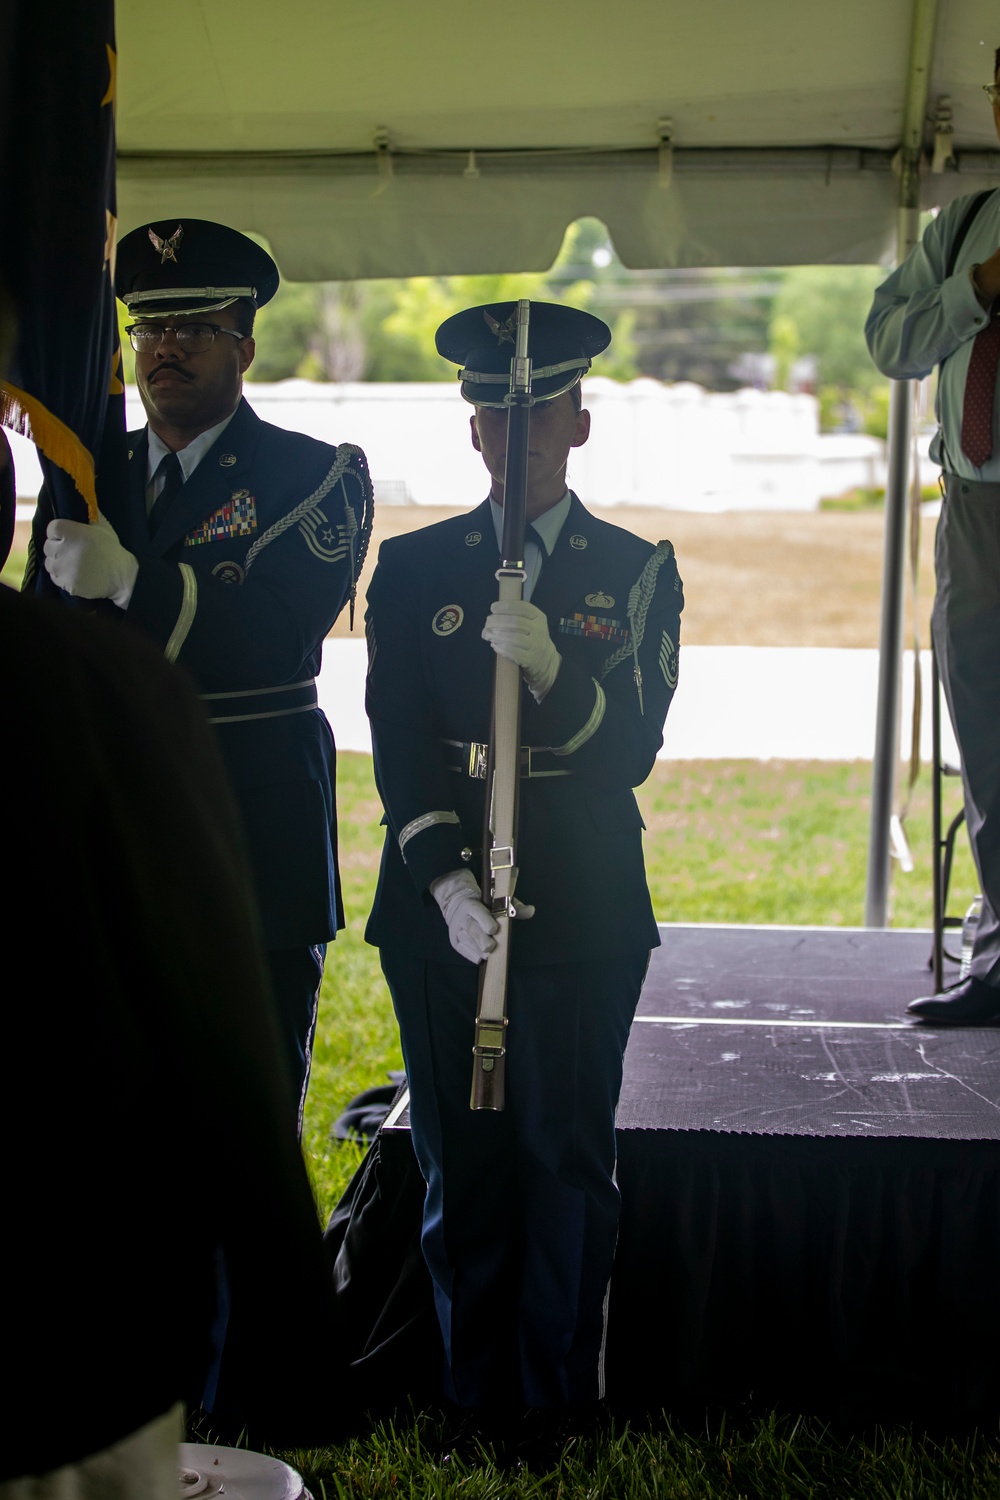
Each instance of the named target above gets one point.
<point>503,766</point>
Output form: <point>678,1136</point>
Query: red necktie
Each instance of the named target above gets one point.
<point>980,394</point>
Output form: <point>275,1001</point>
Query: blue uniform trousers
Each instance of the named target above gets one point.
<point>521,1213</point>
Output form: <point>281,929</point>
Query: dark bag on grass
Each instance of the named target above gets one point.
<point>385,1301</point>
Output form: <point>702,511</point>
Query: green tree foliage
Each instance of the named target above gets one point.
<point>819,312</point>
<point>719,327</point>
<point>384,330</point>
<point>128,354</point>
<point>827,306</point>
<point>681,324</point>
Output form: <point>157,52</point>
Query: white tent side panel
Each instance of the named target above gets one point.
<point>326,223</point>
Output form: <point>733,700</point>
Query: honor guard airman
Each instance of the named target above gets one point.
<point>235,546</point>
<point>521,1207</point>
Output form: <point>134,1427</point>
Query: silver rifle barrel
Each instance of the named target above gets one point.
<point>503,767</point>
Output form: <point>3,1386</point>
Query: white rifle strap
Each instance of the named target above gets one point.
<point>506,770</point>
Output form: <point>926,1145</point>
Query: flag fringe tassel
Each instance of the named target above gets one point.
<point>24,414</point>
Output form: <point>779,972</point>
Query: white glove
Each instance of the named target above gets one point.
<point>470,924</point>
<point>90,561</point>
<point>520,632</point>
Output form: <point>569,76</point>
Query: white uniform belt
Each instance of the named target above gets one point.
<point>261,703</point>
<point>469,758</point>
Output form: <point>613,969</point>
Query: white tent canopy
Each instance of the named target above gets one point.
<point>725,132</point>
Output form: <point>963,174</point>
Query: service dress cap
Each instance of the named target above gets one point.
<point>191,266</point>
<point>561,344</point>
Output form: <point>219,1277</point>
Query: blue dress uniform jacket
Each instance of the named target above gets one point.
<point>239,585</point>
<point>521,1209</point>
<point>429,685</point>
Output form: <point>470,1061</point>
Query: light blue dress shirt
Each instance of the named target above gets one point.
<point>189,457</point>
<point>921,318</point>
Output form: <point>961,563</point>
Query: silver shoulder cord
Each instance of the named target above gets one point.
<point>639,599</point>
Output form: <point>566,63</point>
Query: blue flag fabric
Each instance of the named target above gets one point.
<point>62,387</point>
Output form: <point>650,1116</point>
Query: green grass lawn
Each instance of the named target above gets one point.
<point>13,569</point>
<point>727,841</point>
<point>764,1458</point>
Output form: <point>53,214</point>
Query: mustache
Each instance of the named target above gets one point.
<point>169,370</point>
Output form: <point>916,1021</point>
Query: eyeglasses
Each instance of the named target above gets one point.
<point>992,92</point>
<point>193,338</point>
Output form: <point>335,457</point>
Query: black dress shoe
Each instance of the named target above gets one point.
<point>548,1433</point>
<point>970,1003</point>
<point>479,1436</point>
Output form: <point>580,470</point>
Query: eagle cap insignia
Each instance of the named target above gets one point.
<point>167,247</point>
<point>504,331</point>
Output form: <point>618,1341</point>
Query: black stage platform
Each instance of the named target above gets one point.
<point>810,1185</point>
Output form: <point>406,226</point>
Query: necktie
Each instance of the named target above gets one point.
<point>169,469</point>
<point>980,394</point>
<point>531,583</point>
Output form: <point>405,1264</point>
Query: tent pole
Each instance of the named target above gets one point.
<point>890,654</point>
<point>900,418</point>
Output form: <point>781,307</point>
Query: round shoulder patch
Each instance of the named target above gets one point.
<point>229,572</point>
<point>578,542</point>
<point>473,539</point>
<point>448,619</point>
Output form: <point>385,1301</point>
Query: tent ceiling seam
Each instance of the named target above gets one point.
<point>694,160</point>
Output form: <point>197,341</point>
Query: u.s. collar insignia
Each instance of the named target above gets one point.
<point>473,539</point>
<point>578,542</point>
<point>226,460</point>
<point>447,620</point>
<point>503,331</point>
<point>229,572</point>
<point>600,601</point>
<point>168,247</point>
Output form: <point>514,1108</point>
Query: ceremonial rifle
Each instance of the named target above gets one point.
<point>503,767</point>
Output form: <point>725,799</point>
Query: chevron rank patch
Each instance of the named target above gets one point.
<point>668,661</point>
<point>594,627</point>
<point>325,539</point>
<point>238,517</point>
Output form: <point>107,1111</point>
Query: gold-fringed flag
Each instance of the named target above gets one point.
<point>62,386</point>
